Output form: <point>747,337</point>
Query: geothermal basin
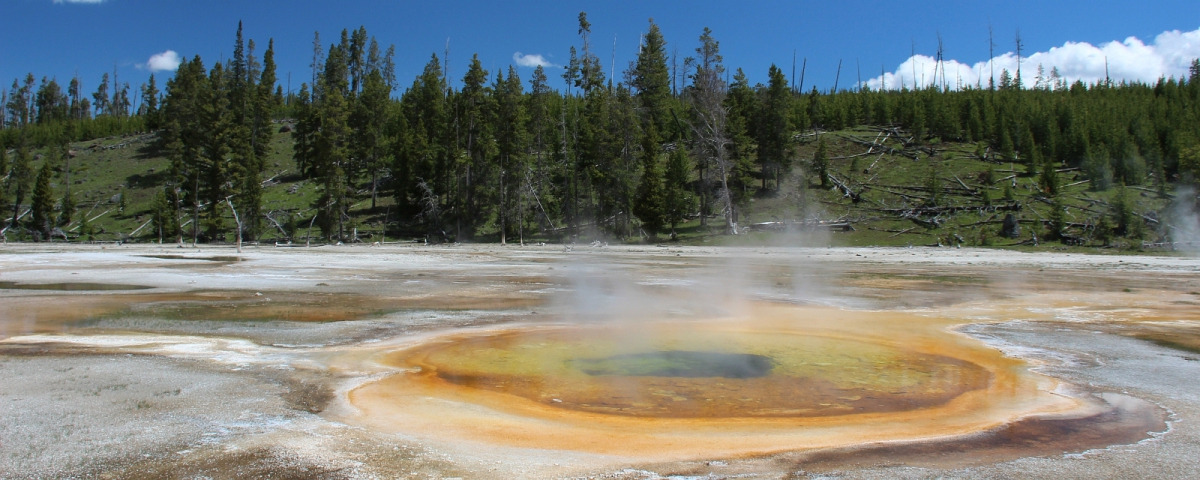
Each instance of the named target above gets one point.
<point>616,362</point>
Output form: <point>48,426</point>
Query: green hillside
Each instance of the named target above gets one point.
<point>892,195</point>
<point>649,156</point>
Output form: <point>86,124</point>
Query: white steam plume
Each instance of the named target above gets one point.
<point>1185,221</point>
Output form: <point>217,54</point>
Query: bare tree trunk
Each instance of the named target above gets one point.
<point>195,209</point>
<point>521,213</point>
<point>341,224</point>
<point>708,103</point>
<point>374,186</point>
<point>703,197</point>
<point>502,211</point>
<point>383,236</point>
<point>238,221</point>
<point>308,236</point>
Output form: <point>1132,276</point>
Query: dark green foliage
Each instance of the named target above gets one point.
<point>821,164</point>
<point>774,127</point>
<point>52,103</point>
<point>148,110</point>
<point>1049,179</point>
<point>41,220</point>
<point>933,184</point>
<point>651,205</point>
<point>3,185</point>
<point>488,160</point>
<point>162,215</point>
<point>679,201</point>
<point>1125,220</point>
<point>1005,146</point>
<point>1099,172</point>
<point>86,231</point>
<point>1057,221</point>
<point>20,176</point>
<point>67,211</point>
<point>1030,156</point>
<point>651,80</point>
<point>511,153</point>
<point>1189,163</point>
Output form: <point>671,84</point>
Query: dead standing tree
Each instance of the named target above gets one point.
<point>709,116</point>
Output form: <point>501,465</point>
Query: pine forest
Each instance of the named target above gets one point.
<point>672,147</point>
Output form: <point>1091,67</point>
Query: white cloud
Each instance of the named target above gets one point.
<point>532,60</point>
<point>1133,60</point>
<point>168,60</point>
<point>79,1</point>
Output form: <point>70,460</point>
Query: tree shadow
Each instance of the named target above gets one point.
<point>151,149</point>
<point>148,180</point>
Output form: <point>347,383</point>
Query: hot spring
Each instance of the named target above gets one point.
<point>631,362</point>
<point>783,377</point>
<point>671,371</point>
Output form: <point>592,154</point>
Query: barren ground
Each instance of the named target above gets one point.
<point>238,365</point>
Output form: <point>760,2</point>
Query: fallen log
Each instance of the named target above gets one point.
<point>948,210</point>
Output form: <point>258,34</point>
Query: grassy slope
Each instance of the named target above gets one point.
<point>873,227</point>
<point>100,172</point>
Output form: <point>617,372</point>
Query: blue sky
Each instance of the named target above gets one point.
<point>60,38</point>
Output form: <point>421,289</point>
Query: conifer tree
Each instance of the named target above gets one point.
<point>102,102</point>
<point>651,80</point>
<point>1030,155</point>
<point>679,201</point>
<point>4,171</point>
<point>162,215</point>
<point>80,107</point>
<point>304,133</point>
<point>257,132</point>
<point>120,103</point>
<point>331,149</point>
<point>19,179</point>
<point>651,204</point>
<point>369,121</point>
<point>821,164</point>
<point>474,105</point>
<point>1057,220</point>
<point>422,159</point>
<point>933,184</point>
<point>51,103</point>
<point>43,204</point>
<point>85,228</point>
<point>740,128</point>
<point>539,123</point>
<point>149,107</point>
<point>511,138</point>
<point>1005,145</point>
<point>1125,221</point>
<point>492,157</point>
<point>216,167</point>
<point>775,128</point>
<point>68,209</point>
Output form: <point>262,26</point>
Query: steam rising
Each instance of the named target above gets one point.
<point>1185,224</point>
<point>697,287</point>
